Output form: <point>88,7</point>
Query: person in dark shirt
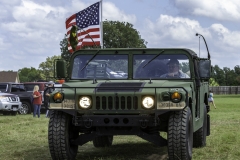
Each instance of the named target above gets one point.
<point>47,95</point>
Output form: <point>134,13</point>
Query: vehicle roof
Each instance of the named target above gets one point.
<point>10,83</point>
<point>35,82</point>
<point>144,50</point>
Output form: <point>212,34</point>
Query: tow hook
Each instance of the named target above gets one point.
<point>88,123</point>
<point>144,123</point>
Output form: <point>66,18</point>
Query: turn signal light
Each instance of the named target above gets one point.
<point>58,97</point>
<point>176,97</point>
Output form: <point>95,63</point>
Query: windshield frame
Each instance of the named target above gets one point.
<point>131,52</point>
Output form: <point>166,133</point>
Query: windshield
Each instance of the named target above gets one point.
<point>3,88</point>
<point>161,67</point>
<point>100,67</point>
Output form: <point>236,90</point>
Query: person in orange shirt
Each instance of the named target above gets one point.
<point>37,101</point>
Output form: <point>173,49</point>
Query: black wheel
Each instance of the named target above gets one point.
<point>199,137</point>
<point>103,141</point>
<point>26,108</point>
<point>180,135</point>
<point>60,133</point>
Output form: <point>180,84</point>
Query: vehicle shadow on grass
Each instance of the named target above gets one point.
<point>118,151</point>
<point>123,151</point>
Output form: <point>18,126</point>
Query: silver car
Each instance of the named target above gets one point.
<point>9,104</point>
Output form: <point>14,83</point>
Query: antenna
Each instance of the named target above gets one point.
<point>197,34</point>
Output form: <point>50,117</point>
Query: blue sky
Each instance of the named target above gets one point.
<point>31,30</point>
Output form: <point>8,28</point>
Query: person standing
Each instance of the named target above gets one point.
<point>47,95</point>
<point>37,101</point>
<point>210,99</point>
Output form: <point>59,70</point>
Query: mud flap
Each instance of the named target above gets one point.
<point>208,124</point>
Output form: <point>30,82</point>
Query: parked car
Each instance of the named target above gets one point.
<point>9,104</point>
<point>113,74</point>
<point>123,74</point>
<point>18,89</point>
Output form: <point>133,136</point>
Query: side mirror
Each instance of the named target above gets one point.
<point>204,69</point>
<point>61,70</point>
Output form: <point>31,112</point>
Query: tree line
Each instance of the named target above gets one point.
<point>225,76</point>
<point>119,35</point>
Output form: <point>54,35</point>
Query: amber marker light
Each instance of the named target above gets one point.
<point>58,97</point>
<point>176,97</point>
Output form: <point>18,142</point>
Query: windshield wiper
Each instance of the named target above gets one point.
<point>153,58</point>
<point>90,60</point>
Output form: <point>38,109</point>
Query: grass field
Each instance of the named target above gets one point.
<point>25,138</point>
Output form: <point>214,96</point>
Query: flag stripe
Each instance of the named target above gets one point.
<point>86,30</point>
<point>70,19</point>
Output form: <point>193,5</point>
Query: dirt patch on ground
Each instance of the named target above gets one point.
<point>157,157</point>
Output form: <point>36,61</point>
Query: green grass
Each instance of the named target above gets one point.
<point>25,138</point>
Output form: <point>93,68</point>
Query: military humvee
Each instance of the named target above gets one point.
<point>95,102</point>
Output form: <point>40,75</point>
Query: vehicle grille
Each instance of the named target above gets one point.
<point>14,99</point>
<point>116,102</point>
<point>120,87</point>
<point>14,106</point>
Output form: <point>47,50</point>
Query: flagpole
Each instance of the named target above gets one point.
<point>101,26</point>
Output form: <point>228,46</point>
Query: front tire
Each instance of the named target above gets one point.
<point>60,133</point>
<point>103,141</point>
<point>180,135</point>
<point>26,108</point>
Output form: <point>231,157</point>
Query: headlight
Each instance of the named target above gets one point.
<point>4,99</point>
<point>148,102</point>
<point>58,97</point>
<point>176,97</point>
<point>85,102</point>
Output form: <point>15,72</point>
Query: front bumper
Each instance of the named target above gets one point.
<point>10,106</point>
<point>89,121</point>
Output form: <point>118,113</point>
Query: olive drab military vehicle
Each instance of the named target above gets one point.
<point>95,102</point>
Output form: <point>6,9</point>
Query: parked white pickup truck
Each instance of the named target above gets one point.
<point>9,104</point>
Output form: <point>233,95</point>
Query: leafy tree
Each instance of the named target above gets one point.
<point>65,54</point>
<point>212,82</point>
<point>29,74</point>
<point>121,35</point>
<point>185,67</point>
<point>219,75</point>
<point>47,68</point>
<point>237,70</point>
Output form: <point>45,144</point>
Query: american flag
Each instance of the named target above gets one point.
<point>88,24</point>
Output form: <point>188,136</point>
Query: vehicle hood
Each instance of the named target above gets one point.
<point>7,95</point>
<point>121,85</point>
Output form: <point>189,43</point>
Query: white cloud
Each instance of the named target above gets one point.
<point>4,45</point>
<point>111,12</point>
<point>175,29</point>
<point>169,31</point>
<point>229,39</point>
<point>218,9</point>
